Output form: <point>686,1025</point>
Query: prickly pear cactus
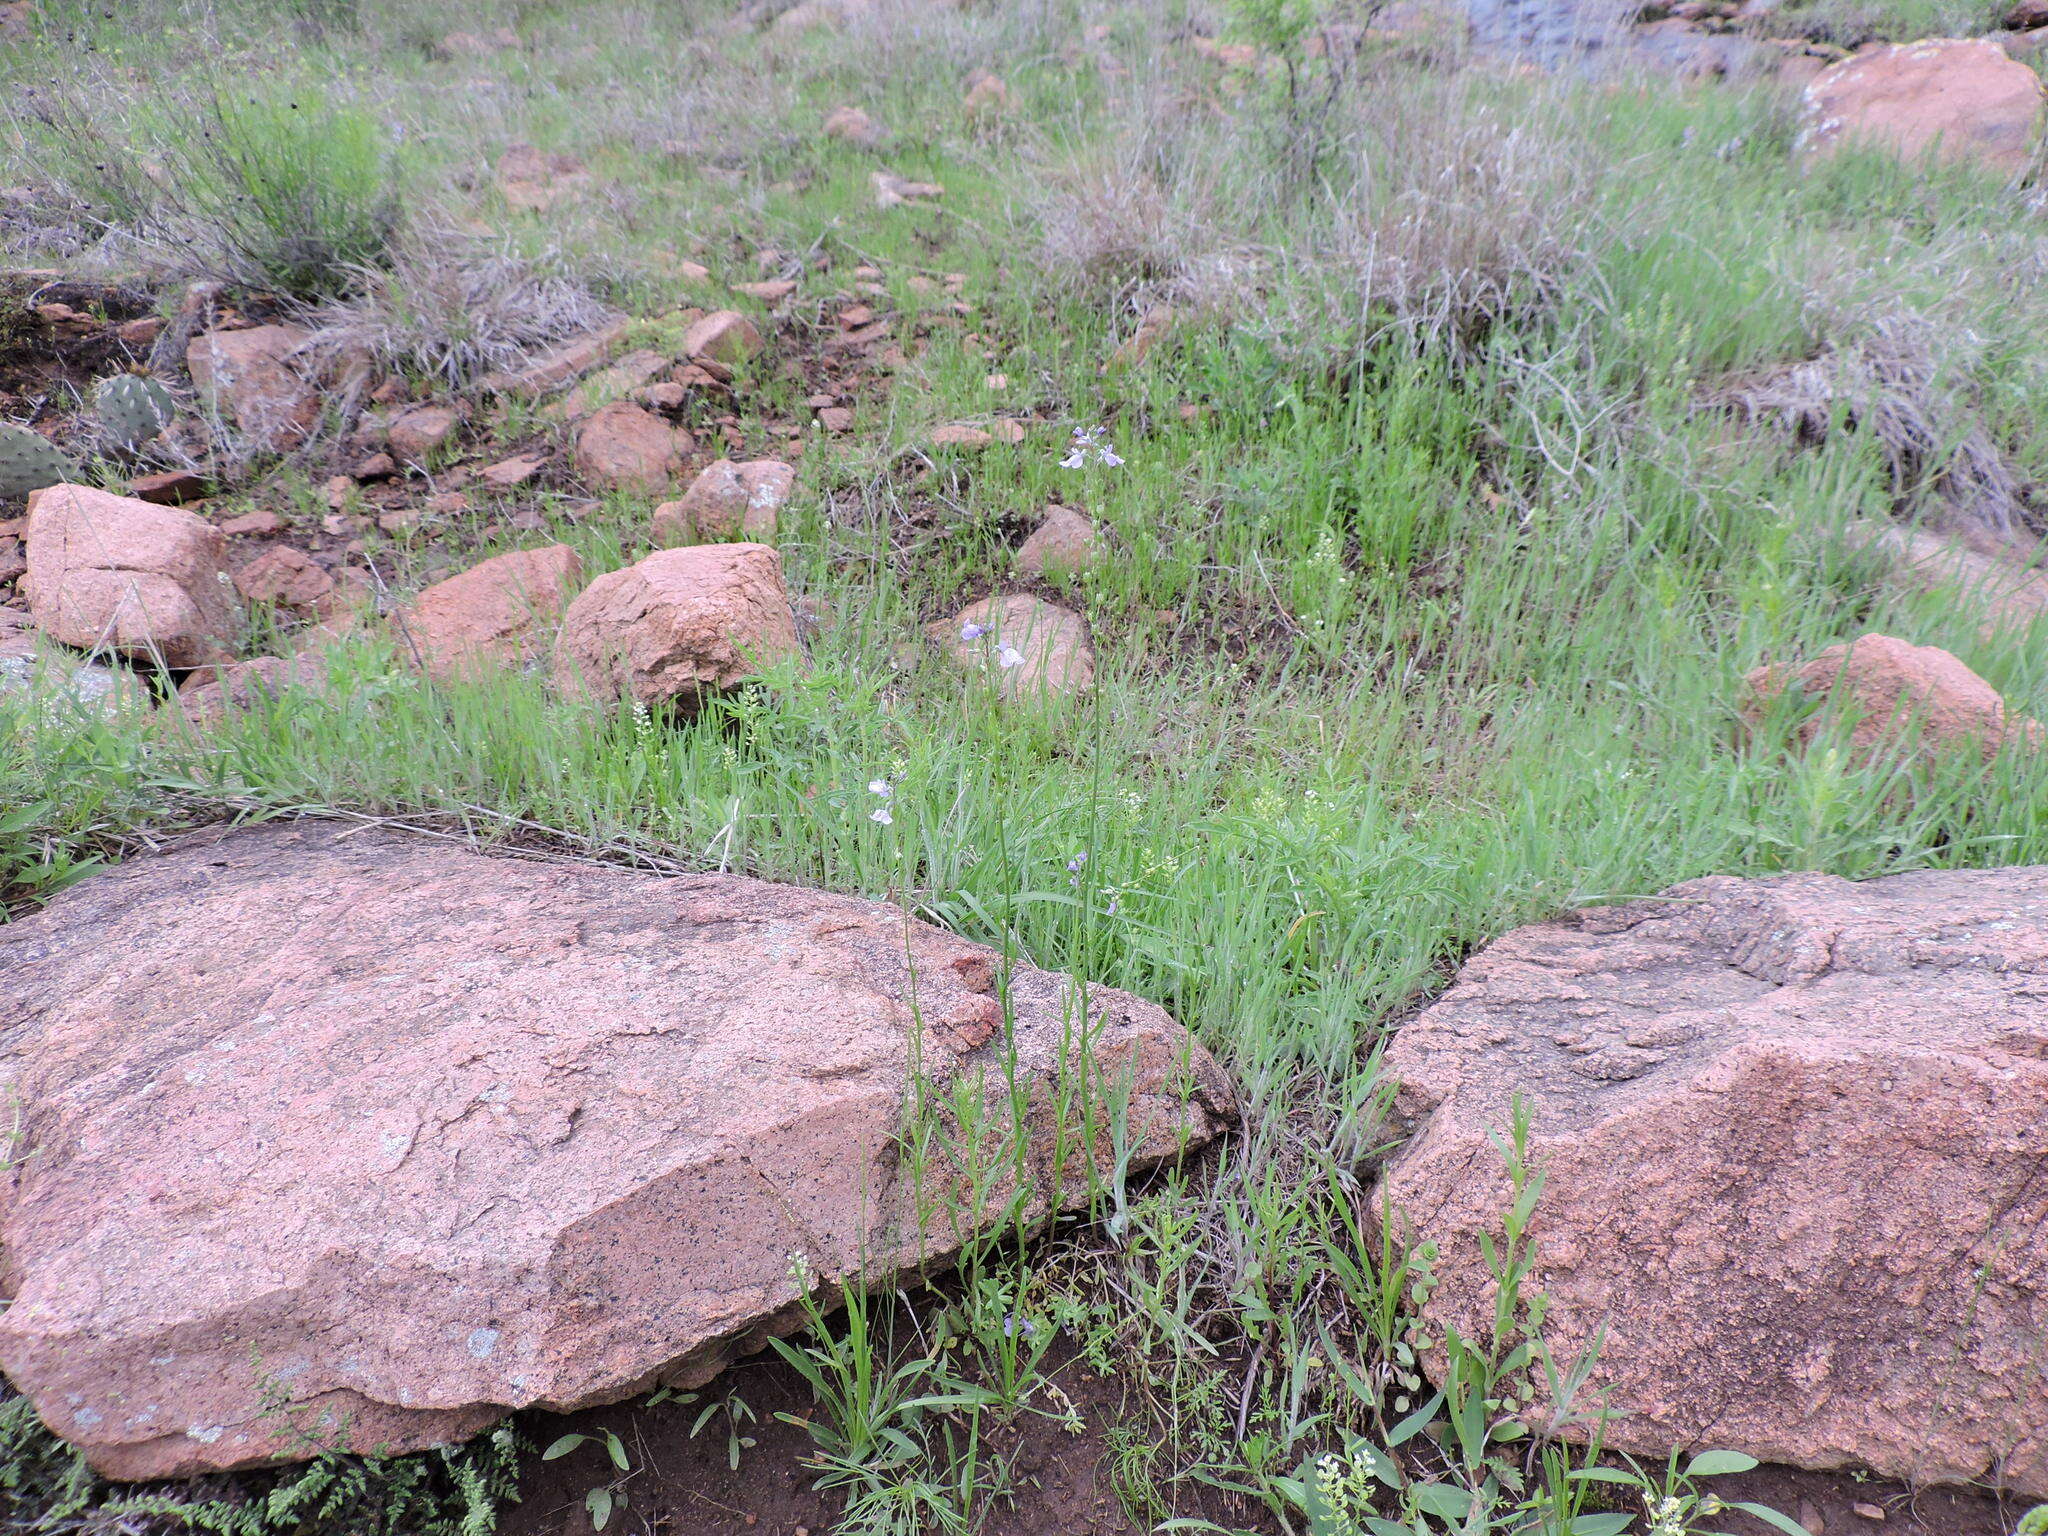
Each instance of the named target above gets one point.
<point>132,407</point>
<point>28,462</point>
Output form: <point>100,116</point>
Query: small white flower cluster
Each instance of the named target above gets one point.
<point>1089,441</point>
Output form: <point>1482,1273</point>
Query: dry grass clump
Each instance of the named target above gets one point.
<point>1889,381</point>
<point>1123,219</point>
<point>451,307</point>
<point>1458,215</point>
<point>1922,359</point>
<point>1432,210</point>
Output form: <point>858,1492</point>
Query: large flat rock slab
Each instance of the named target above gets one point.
<point>358,1133</point>
<point>1795,1132</point>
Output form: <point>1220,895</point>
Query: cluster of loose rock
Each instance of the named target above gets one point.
<point>112,576</point>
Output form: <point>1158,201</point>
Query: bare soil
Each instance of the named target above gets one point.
<point>1062,1484</point>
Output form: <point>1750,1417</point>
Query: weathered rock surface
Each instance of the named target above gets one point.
<point>727,499</point>
<point>1900,696</point>
<point>560,365</point>
<point>213,693</point>
<point>170,487</point>
<point>282,574</point>
<point>410,1135</point>
<point>1794,1132</point>
<point>853,126</point>
<point>1155,325</point>
<point>423,431</point>
<point>1064,543</point>
<point>496,613</point>
<point>251,378</point>
<point>1954,98</point>
<point>535,180</point>
<point>678,625</point>
<point>892,191</point>
<point>723,336</point>
<point>986,94</point>
<point>106,571</point>
<point>615,382</point>
<point>627,448</point>
<point>1028,648</point>
<point>2012,592</point>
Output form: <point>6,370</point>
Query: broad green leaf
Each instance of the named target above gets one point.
<point>1442,1500</point>
<point>1770,1516</point>
<point>1718,1463</point>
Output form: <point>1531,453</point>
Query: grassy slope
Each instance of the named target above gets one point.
<point>1415,632</point>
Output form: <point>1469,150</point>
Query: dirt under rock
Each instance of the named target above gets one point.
<point>1061,1483</point>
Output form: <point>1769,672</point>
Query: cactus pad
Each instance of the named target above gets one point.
<point>28,462</point>
<point>132,407</point>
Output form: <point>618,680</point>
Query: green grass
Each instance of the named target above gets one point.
<point>1430,622</point>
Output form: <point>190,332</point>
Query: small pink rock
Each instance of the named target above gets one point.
<point>1028,648</point>
<point>724,336</point>
<point>146,581</point>
<point>853,126</point>
<point>495,614</point>
<point>423,431</point>
<point>210,694</point>
<point>171,488</point>
<point>1064,543</point>
<point>768,293</point>
<point>510,472</point>
<point>282,574</point>
<point>1895,693</point>
<point>627,448</point>
<point>727,499</point>
<point>253,524</point>
<point>251,377</point>
<point>835,418</point>
<point>959,434</point>
<point>677,626</point>
<point>553,369</point>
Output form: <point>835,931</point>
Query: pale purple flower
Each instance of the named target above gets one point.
<point>880,787</point>
<point>972,631</point>
<point>1089,441</point>
<point>880,815</point>
<point>1009,656</point>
